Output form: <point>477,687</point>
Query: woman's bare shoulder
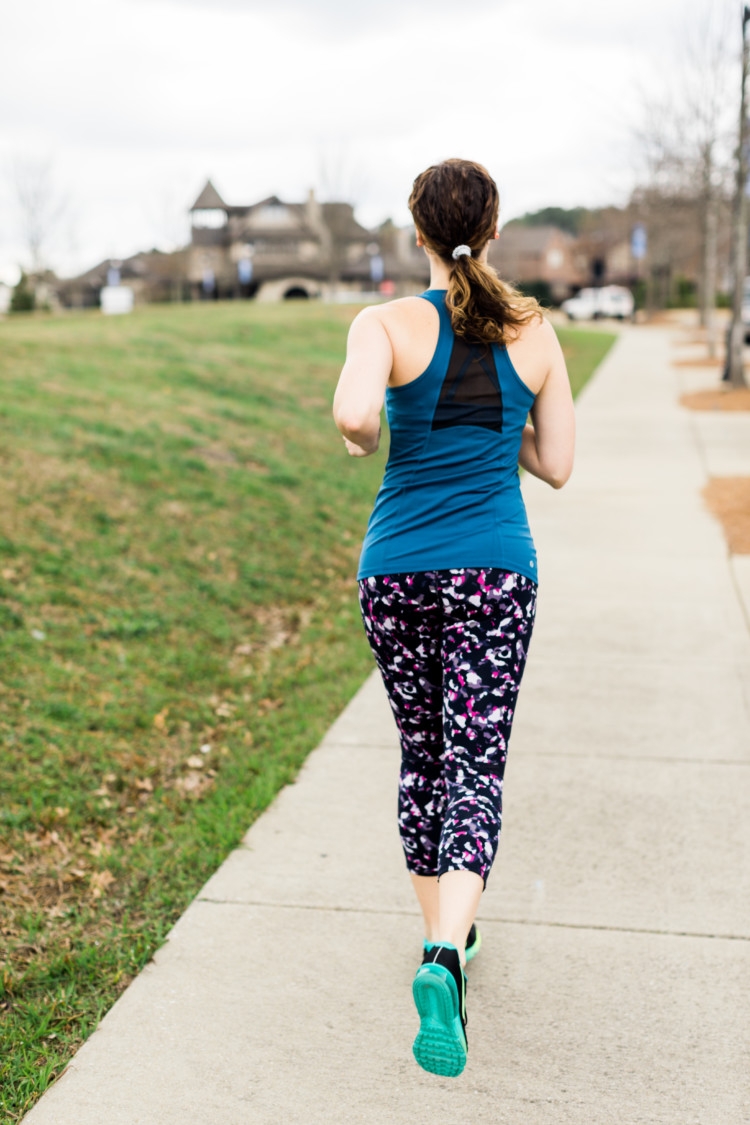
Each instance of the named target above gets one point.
<point>537,332</point>
<point>401,309</point>
<point>404,315</point>
<point>534,349</point>
<point>412,326</point>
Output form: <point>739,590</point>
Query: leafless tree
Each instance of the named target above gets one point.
<point>40,206</point>
<point>734,371</point>
<point>342,179</point>
<point>686,139</point>
<point>341,175</point>
<point>166,214</point>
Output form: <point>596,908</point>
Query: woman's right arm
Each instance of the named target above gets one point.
<point>361,388</point>
<point>548,445</point>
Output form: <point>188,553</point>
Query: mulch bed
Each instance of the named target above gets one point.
<point>718,398</point>
<point>728,498</point>
<point>702,361</point>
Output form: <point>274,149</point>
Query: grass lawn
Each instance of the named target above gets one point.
<point>583,350</point>
<point>179,531</point>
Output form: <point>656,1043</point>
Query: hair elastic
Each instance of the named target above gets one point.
<point>460,251</point>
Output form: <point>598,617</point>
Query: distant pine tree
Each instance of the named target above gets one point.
<point>23,297</point>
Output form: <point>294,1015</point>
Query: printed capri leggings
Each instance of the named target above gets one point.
<point>451,647</point>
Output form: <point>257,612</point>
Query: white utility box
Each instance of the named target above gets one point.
<point>116,299</point>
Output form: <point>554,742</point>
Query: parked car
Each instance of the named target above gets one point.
<point>581,307</point>
<point>590,304</point>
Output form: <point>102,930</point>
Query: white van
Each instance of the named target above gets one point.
<point>590,304</point>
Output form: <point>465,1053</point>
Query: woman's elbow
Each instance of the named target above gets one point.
<point>559,475</point>
<point>354,424</point>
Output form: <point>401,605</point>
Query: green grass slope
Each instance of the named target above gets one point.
<point>179,529</point>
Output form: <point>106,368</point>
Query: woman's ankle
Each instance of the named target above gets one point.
<point>452,943</point>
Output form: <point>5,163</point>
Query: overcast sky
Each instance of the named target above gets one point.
<point>135,102</point>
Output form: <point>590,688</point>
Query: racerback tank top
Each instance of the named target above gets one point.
<point>451,494</point>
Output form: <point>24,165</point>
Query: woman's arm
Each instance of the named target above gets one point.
<point>547,447</point>
<point>361,388</point>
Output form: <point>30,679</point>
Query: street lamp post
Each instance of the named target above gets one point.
<point>734,372</point>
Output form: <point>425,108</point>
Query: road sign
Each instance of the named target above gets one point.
<point>377,268</point>
<point>638,241</point>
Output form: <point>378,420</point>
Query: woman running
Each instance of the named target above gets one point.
<point>448,572</point>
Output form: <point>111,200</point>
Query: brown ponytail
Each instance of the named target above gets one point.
<point>454,204</point>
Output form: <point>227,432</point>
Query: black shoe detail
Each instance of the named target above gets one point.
<point>447,956</point>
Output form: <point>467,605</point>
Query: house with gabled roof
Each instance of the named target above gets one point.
<point>152,275</point>
<point>543,253</point>
<point>274,250</point>
<point>270,250</point>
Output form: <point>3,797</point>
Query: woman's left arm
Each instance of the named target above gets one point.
<point>361,388</point>
<point>548,446</point>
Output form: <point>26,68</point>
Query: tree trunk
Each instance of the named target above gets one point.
<point>734,372</point>
<point>708,285</point>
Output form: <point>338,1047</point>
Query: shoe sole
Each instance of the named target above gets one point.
<point>440,1046</point>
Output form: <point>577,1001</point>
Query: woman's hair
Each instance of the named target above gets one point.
<point>455,204</point>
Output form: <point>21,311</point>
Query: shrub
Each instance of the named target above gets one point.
<point>684,294</point>
<point>23,297</point>
<point>539,289</point>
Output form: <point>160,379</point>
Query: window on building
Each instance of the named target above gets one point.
<point>272,215</point>
<point>209,218</point>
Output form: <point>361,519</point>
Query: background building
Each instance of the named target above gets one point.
<point>543,259</point>
<point>277,250</point>
<point>271,250</point>
<point>152,275</point>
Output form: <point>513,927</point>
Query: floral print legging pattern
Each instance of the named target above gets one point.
<point>451,647</point>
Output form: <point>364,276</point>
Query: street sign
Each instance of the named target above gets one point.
<point>638,241</point>
<point>377,268</point>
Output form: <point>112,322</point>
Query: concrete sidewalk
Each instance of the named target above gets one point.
<point>614,981</point>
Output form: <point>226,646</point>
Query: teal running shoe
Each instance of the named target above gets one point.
<point>439,991</point>
<point>473,945</point>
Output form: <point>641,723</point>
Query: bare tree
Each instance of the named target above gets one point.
<point>342,179</point>
<point>686,140</point>
<point>341,175</point>
<point>166,214</point>
<point>734,369</point>
<point>40,206</point>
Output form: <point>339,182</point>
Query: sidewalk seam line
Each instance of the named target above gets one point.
<point>633,758</point>
<point>486,918</point>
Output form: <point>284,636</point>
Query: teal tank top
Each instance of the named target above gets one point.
<point>451,494</point>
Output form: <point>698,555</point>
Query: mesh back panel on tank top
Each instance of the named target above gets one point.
<point>471,393</point>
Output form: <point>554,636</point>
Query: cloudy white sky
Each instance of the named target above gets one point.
<point>135,102</point>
